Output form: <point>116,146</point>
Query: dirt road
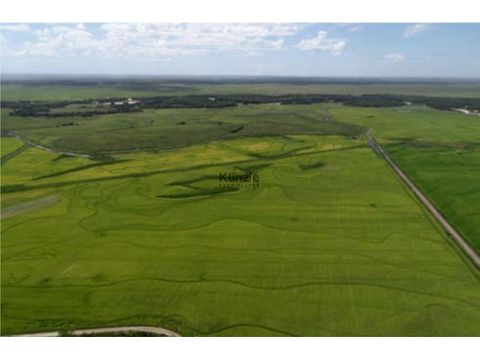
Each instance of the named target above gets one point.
<point>41,147</point>
<point>124,329</point>
<point>14,153</point>
<point>28,206</point>
<point>459,240</point>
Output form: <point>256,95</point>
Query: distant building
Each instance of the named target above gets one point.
<point>130,101</point>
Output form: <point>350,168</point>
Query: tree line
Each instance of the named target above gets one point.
<point>43,108</point>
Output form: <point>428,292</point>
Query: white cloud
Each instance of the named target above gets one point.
<point>355,28</point>
<point>158,41</point>
<point>59,40</point>
<point>15,27</point>
<point>322,42</point>
<point>413,30</point>
<point>202,37</point>
<point>395,57</point>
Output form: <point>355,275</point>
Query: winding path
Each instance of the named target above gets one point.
<point>28,206</point>
<point>125,329</point>
<point>459,240</point>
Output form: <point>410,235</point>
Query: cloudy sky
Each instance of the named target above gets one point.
<point>396,50</point>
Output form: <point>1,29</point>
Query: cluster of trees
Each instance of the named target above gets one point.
<point>187,101</point>
<point>28,108</point>
<point>222,101</point>
<point>444,103</point>
<point>110,110</point>
<point>237,129</point>
<point>370,100</point>
<point>68,124</point>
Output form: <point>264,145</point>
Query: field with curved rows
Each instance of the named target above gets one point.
<point>328,243</point>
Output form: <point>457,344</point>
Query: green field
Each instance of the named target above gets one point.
<point>330,242</point>
<point>303,254</point>
<point>450,177</point>
<point>9,145</point>
<point>55,92</point>
<point>439,150</point>
<point>165,129</point>
<point>78,92</point>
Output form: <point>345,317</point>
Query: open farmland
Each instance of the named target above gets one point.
<point>9,145</point>
<point>141,231</point>
<point>101,88</point>
<point>439,150</point>
<point>164,129</point>
<point>130,251</point>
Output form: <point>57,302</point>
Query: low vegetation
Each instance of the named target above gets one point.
<point>115,105</point>
<point>143,232</point>
<point>438,150</point>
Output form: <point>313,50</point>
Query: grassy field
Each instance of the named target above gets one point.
<point>329,243</point>
<point>439,150</point>
<point>406,123</point>
<point>450,177</point>
<point>78,92</point>
<point>170,128</point>
<point>9,145</point>
<point>62,92</point>
<point>305,253</point>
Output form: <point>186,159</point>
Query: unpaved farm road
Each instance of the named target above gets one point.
<point>45,148</point>
<point>459,240</point>
<point>124,329</point>
<point>28,206</point>
<point>12,154</point>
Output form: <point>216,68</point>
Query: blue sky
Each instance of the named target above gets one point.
<point>386,50</point>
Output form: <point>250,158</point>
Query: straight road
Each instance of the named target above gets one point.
<point>14,153</point>
<point>459,240</point>
<point>41,147</point>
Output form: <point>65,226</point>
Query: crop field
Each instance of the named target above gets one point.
<point>439,150</point>
<point>152,229</point>
<point>9,145</point>
<point>450,177</point>
<point>166,250</point>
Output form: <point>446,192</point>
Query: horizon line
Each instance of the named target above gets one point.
<point>474,78</point>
